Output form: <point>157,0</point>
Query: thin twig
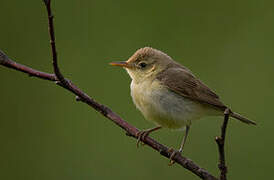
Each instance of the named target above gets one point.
<point>221,143</point>
<point>5,61</point>
<point>56,69</point>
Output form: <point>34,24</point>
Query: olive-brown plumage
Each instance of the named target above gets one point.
<point>168,94</point>
<point>180,80</point>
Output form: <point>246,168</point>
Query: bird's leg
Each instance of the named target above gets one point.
<point>144,133</point>
<point>171,162</point>
<point>184,139</point>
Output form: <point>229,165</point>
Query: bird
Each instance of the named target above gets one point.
<point>169,94</point>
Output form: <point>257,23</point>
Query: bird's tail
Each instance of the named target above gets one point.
<point>241,118</point>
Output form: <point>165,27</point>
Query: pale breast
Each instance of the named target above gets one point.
<point>163,106</point>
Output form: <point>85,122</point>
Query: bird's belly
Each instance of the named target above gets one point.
<point>165,107</point>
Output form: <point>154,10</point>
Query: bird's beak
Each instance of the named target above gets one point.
<point>121,64</point>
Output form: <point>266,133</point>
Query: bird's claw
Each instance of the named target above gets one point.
<point>141,136</point>
<point>172,155</point>
<point>144,133</point>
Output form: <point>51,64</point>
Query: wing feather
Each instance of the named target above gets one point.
<point>181,81</point>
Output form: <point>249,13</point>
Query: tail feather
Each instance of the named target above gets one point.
<point>241,118</point>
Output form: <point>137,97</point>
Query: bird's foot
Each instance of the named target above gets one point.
<point>141,136</point>
<point>172,155</point>
<point>144,133</point>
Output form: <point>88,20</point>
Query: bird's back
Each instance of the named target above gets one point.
<point>181,81</point>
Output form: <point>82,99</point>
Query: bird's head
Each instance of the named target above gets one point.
<point>145,63</point>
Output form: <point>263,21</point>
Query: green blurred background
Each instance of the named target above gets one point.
<point>45,134</point>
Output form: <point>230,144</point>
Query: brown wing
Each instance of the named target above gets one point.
<point>184,83</point>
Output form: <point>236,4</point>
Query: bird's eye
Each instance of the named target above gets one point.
<point>142,65</point>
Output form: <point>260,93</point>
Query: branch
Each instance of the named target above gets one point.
<point>56,69</point>
<point>105,111</point>
<point>5,61</point>
<point>108,113</point>
<point>221,143</point>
